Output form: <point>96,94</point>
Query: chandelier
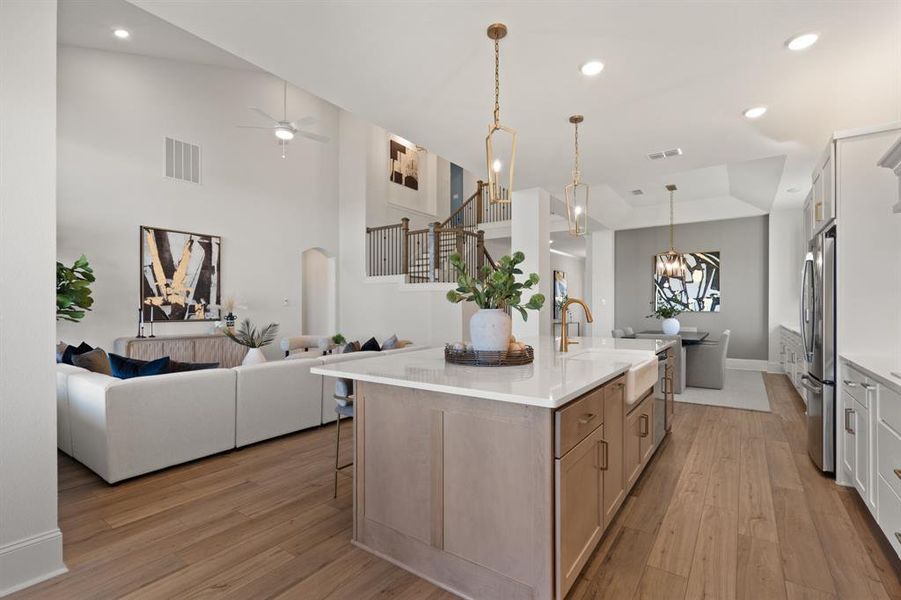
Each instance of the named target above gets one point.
<point>671,264</point>
<point>500,145</point>
<point>577,192</point>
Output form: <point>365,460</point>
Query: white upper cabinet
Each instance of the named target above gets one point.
<point>823,190</point>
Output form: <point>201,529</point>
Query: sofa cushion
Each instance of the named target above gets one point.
<point>71,351</point>
<point>182,367</point>
<point>371,345</point>
<point>95,361</point>
<point>390,343</point>
<point>126,368</point>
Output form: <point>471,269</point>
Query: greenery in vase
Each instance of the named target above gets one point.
<point>248,335</point>
<point>665,312</point>
<point>73,290</point>
<point>495,288</point>
<point>338,339</point>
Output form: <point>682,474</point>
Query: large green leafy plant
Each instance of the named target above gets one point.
<point>495,287</point>
<point>73,290</point>
<point>665,311</point>
<point>248,335</point>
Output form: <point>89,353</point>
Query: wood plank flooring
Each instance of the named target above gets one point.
<point>730,507</point>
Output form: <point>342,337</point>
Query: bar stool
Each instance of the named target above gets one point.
<point>344,407</point>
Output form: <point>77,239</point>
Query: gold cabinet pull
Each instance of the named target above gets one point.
<point>587,418</point>
<point>643,425</point>
<point>604,465</point>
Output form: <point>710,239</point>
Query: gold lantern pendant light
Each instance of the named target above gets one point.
<point>500,145</point>
<point>577,192</point>
<point>671,264</point>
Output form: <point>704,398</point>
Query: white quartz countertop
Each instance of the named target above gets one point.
<point>552,380</point>
<point>878,367</point>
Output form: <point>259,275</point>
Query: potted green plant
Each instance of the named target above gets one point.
<point>494,290</point>
<point>338,339</point>
<point>668,313</point>
<point>255,339</point>
<point>73,290</point>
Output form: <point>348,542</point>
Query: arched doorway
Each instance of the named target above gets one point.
<point>318,293</point>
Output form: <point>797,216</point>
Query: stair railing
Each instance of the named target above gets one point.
<point>386,249</point>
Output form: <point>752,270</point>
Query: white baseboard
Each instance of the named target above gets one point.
<point>746,364</point>
<point>24,563</point>
<point>774,367</point>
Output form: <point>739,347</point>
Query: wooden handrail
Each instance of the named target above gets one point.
<point>474,198</point>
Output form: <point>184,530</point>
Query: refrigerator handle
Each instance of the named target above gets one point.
<point>808,261</point>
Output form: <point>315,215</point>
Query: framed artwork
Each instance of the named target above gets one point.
<point>403,165</point>
<point>560,292</point>
<point>698,291</point>
<point>179,275</point>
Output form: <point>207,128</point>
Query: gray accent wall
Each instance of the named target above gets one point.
<point>744,274</point>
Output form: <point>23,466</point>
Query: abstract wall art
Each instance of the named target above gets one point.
<point>179,275</point>
<point>698,291</point>
<point>403,164</point>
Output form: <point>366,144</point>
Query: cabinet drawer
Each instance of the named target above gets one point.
<point>579,418</point>
<point>890,408</point>
<point>889,517</point>
<point>888,456</point>
<point>856,384</point>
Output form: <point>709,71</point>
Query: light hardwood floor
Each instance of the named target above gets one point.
<point>731,507</point>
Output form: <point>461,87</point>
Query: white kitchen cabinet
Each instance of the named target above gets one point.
<point>862,464</point>
<point>792,359</point>
<point>823,190</point>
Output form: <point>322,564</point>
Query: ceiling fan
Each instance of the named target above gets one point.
<point>284,129</point>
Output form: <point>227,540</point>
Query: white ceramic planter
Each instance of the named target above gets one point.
<point>671,326</point>
<point>490,329</point>
<point>254,356</point>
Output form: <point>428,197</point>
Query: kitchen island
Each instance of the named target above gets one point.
<point>498,482</point>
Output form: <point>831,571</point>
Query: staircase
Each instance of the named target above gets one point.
<point>422,255</point>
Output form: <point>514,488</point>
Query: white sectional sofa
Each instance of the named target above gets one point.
<point>122,428</point>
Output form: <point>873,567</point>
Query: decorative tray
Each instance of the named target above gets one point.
<point>485,358</point>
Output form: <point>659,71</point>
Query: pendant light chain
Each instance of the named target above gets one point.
<point>577,167</point>
<point>497,81</point>
<point>672,244</point>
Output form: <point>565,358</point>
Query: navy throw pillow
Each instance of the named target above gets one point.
<point>73,351</point>
<point>371,344</point>
<point>126,368</point>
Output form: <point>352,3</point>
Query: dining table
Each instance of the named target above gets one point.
<point>688,337</point>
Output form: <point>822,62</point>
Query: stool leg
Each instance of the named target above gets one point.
<point>337,451</point>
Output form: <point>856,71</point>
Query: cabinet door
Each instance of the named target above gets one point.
<point>612,458</point>
<point>808,219</point>
<point>862,451</point>
<point>580,511</point>
<point>849,440</point>
<point>646,431</point>
<point>827,177</point>
<point>632,447</point>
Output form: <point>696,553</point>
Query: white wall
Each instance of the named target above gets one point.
<point>600,278</point>
<point>530,234</point>
<point>30,542</point>
<point>114,111</point>
<point>381,306</point>
<point>785,256</point>
<point>319,293</point>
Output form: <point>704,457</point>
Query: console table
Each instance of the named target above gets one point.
<point>197,348</point>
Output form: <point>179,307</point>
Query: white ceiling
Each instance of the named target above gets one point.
<point>90,23</point>
<point>678,74</point>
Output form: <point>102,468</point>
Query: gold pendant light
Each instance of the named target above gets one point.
<point>577,192</point>
<point>671,263</point>
<point>500,145</point>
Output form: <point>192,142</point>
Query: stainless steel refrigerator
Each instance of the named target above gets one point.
<point>818,340</point>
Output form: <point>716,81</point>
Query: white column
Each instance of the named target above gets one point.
<point>530,234</point>
<point>600,280</point>
<point>30,542</point>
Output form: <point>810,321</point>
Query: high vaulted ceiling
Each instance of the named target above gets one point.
<point>677,74</point>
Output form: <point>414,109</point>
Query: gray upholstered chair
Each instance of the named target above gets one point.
<point>617,333</point>
<point>628,331</point>
<point>679,350</point>
<point>707,363</point>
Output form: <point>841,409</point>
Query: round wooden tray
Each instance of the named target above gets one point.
<point>484,358</point>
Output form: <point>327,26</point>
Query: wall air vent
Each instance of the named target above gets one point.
<point>665,153</point>
<point>182,160</point>
<point>638,192</point>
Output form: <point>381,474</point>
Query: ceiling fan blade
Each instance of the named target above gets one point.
<point>263,114</point>
<point>255,127</point>
<point>313,136</point>
<point>305,122</point>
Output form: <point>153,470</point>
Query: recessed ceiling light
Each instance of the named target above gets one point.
<point>122,34</point>
<point>755,112</point>
<point>592,68</point>
<point>802,42</point>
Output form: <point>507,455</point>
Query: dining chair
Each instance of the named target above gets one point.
<point>707,363</point>
<point>628,331</point>
<point>617,333</point>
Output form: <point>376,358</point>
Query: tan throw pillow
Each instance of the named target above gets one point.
<point>403,343</point>
<point>95,361</point>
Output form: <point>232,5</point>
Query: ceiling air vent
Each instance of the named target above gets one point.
<point>665,153</point>
<point>182,160</point>
<point>638,192</point>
